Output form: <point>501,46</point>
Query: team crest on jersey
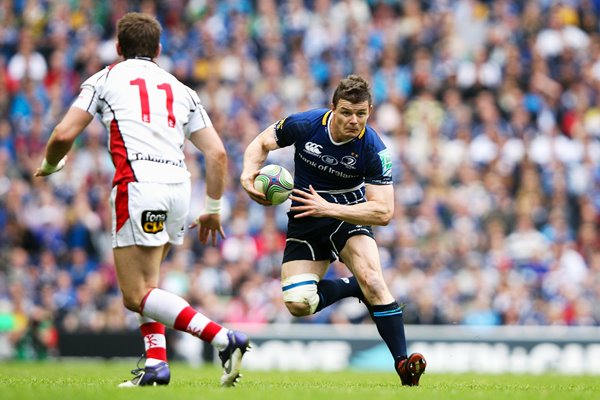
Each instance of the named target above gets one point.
<point>153,221</point>
<point>313,148</point>
<point>386,162</point>
<point>349,161</point>
<point>327,159</point>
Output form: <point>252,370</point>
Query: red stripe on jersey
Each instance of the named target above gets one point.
<point>183,319</point>
<point>210,331</point>
<point>118,152</point>
<point>123,173</point>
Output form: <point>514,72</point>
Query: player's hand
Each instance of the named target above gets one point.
<point>312,204</point>
<point>46,169</point>
<point>210,225</point>
<point>247,181</point>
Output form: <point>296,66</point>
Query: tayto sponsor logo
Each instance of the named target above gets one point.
<point>153,221</point>
<point>313,148</point>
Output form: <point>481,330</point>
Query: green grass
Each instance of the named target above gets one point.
<point>96,380</point>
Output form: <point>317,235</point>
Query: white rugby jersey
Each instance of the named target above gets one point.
<point>148,114</point>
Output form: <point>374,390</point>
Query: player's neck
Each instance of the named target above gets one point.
<point>340,138</point>
<point>142,58</point>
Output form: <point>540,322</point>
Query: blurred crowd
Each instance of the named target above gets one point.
<point>491,109</point>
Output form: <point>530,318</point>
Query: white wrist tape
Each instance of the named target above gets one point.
<point>48,168</point>
<point>212,206</point>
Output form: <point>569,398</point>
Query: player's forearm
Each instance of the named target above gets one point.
<point>216,173</point>
<point>368,213</point>
<point>254,157</point>
<point>58,146</point>
<point>65,133</point>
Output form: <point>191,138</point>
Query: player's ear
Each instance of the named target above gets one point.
<point>118,46</point>
<point>158,51</point>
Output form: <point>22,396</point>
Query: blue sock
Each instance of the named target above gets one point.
<point>390,326</point>
<point>333,290</point>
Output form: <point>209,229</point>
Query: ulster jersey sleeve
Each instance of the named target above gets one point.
<point>198,117</point>
<point>90,89</point>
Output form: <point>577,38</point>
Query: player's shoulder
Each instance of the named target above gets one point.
<point>180,86</point>
<point>316,116</point>
<point>98,77</point>
<point>371,138</point>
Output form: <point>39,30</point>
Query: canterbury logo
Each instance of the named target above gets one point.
<point>313,148</point>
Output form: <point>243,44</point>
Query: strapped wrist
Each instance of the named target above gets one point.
<point>212,206</point>
<point>48,168</point>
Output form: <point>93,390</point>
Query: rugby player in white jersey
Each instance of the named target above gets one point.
<point>149,114</point>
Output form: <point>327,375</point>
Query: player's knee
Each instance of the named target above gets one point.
<point>300,294</point>
<point>131,301</point>
<point>298,309</point>
<point>373,285</point>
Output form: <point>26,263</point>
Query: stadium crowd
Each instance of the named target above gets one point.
<point>491,109</point>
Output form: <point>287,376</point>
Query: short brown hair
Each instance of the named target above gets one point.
<point>138,35</point>
<point>354,89</point>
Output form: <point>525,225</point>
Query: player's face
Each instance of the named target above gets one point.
<point>349,119</point>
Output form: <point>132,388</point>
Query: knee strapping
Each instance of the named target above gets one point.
<point>302,288</point>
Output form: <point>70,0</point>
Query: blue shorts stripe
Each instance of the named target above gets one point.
<point>293,285</point>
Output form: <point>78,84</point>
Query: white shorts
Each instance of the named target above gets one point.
<point>149,214</point>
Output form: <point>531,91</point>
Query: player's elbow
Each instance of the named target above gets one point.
<point>386,215</point>
<point>217,157</point>
<point>62,134</point>
<point>221,155</point>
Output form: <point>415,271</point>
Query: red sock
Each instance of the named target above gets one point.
<point>154,340</point>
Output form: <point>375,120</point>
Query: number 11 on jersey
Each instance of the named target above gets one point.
<point>145,103</point>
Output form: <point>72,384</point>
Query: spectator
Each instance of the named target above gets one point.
<point>491,113</point>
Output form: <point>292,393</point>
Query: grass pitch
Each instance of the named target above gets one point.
<point>97,380</point>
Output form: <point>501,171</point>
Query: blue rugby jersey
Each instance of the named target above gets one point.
<point>337,171</point>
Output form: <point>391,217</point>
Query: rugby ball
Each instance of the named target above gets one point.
<point>275,182</point>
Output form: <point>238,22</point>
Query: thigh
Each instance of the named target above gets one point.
<point>138,269</point>
<point>297,267</point>
<point>345,231</point>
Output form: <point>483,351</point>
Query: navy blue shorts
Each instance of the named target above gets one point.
<point>316,239</point>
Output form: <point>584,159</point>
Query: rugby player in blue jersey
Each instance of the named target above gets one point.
<point>342,186</point>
